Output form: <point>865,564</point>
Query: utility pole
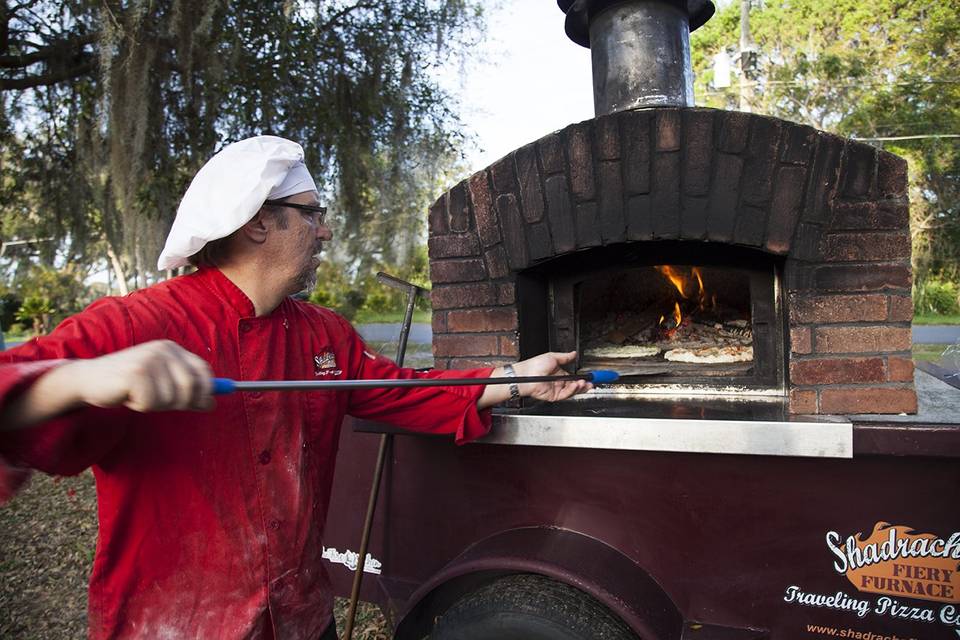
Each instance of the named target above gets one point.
<point>748,60</point>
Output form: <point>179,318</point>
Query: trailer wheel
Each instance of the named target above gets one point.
<point>529,607</point>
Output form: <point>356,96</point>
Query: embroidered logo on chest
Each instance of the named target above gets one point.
<point>325,364</point>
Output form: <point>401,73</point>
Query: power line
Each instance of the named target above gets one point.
<point>918,137</point>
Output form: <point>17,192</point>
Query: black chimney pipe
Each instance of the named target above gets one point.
<point>640,49</point>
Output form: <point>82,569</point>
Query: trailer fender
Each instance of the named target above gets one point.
<point>567,556</point>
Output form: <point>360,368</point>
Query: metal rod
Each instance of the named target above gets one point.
<point>344,385</point>
<point>386,440</point>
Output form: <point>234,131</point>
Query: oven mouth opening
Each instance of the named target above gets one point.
<point>674,318</point>
<point>684,319</point>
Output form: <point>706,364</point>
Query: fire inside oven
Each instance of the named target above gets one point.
<point>661,313</point>
<point>662,318</point>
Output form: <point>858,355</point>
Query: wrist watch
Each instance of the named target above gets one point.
<point>514,388</point>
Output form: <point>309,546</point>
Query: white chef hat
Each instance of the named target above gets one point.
<point>229,190</point>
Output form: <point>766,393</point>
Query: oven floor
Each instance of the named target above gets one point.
<point>688,408</point>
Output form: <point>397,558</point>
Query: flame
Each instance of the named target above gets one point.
<point>675,278</point>
<point>701,291</point>
<point>677,316</point>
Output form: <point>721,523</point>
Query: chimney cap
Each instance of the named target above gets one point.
<point>580,12</point>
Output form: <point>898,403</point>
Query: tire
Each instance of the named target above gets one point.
<point>529,607</point>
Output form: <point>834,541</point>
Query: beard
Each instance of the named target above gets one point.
<point>306,280</point>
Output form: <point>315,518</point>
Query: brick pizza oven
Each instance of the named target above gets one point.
<point>793,244</point>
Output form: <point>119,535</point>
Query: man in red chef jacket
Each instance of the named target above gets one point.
<point>212,514</point>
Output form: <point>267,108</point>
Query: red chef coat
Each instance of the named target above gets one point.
<point>211,523</point>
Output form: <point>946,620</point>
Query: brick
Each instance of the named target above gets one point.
<point>698,153</point>
<point>469,270</point>
<point>441,364</point>
<point>667,123</point>
<point>788,192</point>
<point>503,175</point>
<point>861,339</point>
<point>798,142</point>
<point>513,232</point>
<point>801,340</point>
<point>693,218</point>
<point>857,172</point>
<point>823,179</point>
<point>901,309</point>
<point>870,216</point>
<point>437,217</point>
<point>465,345</point>
<point>666,196</point>
<point>506,293</point>
<point>438,322</point>
<point>608,137</point>
<point>761,161</point>
<point>899,369</point>
<point>639,218</point>
<point>837,371</point>
<point>453,246</point>
<point>478,363</point>
<point>560,215</point>
<point>528,176</point>
<point>581,161</point>
<point>636,151</point>
<point>588,227</point>
<point>868,400</point>
<point>613,225</point>
<point>458,209</point>
<point>798,275</point>
<point>488,224</point>
<point>805,309</point>
<point>808,242</point>
<point>891,175</point>
<point>873,277</point>
<point>496,259</point>
<point>550,149</point>
<point>734,129</point>
<point>482,320</point>
<point>721,212</point>
<point>803,401</point>
<point>854,247</point>
<point>462,295</point>
<point>749,227</point>
<point>509,347</point>
<point>538,241</point>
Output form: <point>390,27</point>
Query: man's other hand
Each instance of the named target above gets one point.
<point>154,376</point>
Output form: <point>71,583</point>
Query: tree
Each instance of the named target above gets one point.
<point>119,103</point>
<point>881,69</point>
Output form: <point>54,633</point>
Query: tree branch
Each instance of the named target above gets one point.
<point>54,50</point>
<point>53,77</point>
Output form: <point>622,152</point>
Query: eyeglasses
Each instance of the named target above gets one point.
<point>320,213</point>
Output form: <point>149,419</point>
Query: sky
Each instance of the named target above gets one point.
<point>535,81</point>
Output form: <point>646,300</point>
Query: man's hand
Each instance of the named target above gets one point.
<point>545,364</point>
<point>549,364</point>
<point>153,376</point>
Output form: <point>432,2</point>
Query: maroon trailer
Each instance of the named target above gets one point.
<point>785,474</point>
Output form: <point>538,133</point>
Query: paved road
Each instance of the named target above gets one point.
<point>420,333</point>
<point>936,334</point>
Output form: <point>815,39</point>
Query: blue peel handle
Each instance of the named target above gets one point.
<point>603,376</point>
<point>223,385</point>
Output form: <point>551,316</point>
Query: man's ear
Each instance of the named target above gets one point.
<point>255,230</point>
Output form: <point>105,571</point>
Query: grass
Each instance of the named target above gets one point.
<point>47,537</point>
<point>928,352</point>
<point>936,319</point>
<point>367,317</point>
